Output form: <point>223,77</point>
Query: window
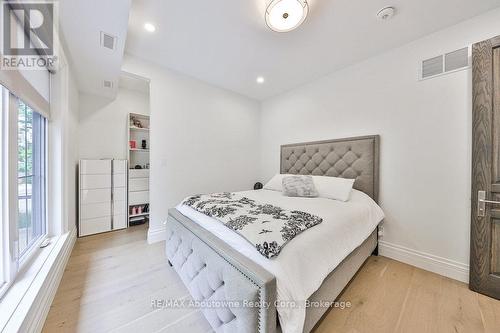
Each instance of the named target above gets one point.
<point>30,177</point>
<point>23,184</point>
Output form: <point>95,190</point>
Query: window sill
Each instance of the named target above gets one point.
<point>25,292</point>
<point>32,255</point>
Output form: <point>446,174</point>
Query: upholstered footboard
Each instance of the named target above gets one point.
<point>218,275</point>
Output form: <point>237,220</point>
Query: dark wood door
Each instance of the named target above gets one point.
<point>485,219</point>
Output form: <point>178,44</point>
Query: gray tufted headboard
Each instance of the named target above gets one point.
<point>355,158</point>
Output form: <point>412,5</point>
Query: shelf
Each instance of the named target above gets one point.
<point>139,129</point>
<point>139,149</point>
<point>139,215</point>
<point>138,115</point>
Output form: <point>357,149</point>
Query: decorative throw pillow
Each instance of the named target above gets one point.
<point>299,186</point>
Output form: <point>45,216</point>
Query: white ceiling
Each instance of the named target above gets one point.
<point>226,42</point>
<point>81,23</point>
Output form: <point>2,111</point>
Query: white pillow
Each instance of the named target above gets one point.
<point>276,183</point>
<point>333,187</point>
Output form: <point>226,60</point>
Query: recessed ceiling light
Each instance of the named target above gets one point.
<point>286,15</point>
<point>149,27</point>
<point>260,80</point>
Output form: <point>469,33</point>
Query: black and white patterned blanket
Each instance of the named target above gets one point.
<point>266,226</point>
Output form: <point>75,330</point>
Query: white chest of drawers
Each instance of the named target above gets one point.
<point>102,196</point>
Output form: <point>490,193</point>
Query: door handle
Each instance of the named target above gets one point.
<point>490,201</point>
<point>481,203</point>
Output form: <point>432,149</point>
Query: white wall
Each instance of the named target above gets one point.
<point>203,139</point>
<point>103,123</point>
<point>63,150</point>
<point>72,152</point>
<point>425,129</point>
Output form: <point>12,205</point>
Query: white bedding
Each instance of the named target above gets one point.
<point>306,260</point>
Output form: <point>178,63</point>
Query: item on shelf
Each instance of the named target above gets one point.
<point>136,210</point>
<point>258,186</point>
<point>147,165</point>
<point>138,220</point>
<point>132,144</point>
<point>144,144</point>
<point>136,122</point>
<point>138,167</point>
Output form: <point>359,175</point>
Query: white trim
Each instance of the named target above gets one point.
<point>4,208</point>
<point>40,309</point>
<point>157,234</point>
<point>19,86</point>
<point>31,252</point>
<point>30,313</point>
<point>9,190</point>
<point>429,262</point>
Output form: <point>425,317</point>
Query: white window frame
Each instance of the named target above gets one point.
<point>9,192</point>
<point>35,246</point>
<point>12,265</point>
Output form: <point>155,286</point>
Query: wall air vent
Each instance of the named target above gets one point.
<point>456,59</point>
<point>432,66</point>
<point>108,84</point>
<point>108,41</point>
<point>446,63</point>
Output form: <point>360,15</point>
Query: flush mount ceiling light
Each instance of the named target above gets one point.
<point>386,13</point>
<point>286,15</point>
<point>149,27</point>
<point>260,79</point>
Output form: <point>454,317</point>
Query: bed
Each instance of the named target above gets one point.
<point>242,292</point>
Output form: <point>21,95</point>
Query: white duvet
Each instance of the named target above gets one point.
<point>306,260</point>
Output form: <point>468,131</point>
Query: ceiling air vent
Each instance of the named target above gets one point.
<point>108,84</point>
<point>446,63</point>
<point>108,41</point>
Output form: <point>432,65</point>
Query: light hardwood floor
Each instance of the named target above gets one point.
<point>109,283</point>
<point>389,296</point>
<point>111,279</point>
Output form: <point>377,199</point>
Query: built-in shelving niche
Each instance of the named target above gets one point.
<point>138,129</point>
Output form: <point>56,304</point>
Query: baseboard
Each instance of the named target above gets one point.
<point>442,266</point>
<point>39,310</point>
<point>157,234</point>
